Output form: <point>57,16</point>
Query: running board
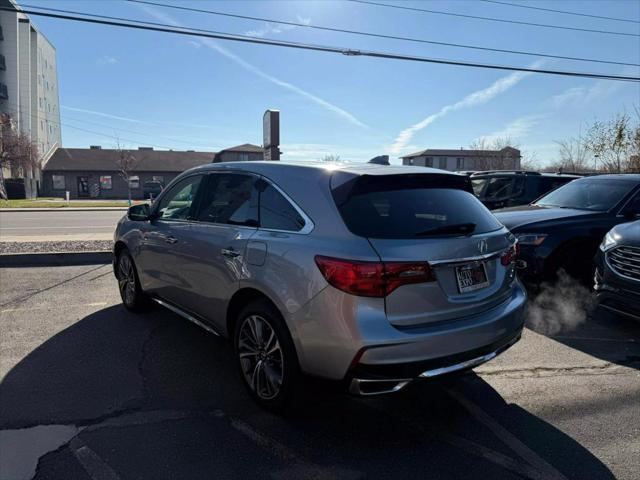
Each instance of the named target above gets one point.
<point>184,314</point>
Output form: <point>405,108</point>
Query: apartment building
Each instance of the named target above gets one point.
<point>29,88</point>
<point>460,160</point>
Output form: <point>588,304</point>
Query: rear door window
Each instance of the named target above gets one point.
<point>390,206</point>
<point>230,198</point>
<point>499,187</point>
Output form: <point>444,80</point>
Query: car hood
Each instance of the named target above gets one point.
<point>628,233</point>
<point>525,215</point>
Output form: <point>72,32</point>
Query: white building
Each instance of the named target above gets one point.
<point>29,86</point>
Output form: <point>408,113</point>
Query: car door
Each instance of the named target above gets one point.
<point>226,218</point>
<point>166,243</point>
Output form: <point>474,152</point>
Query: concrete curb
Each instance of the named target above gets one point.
<point>54,259</point>
<point>64,209</point>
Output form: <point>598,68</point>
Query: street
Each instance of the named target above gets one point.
<point>91,391</point>
<point>98,224</point>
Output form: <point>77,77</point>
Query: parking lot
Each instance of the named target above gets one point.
<point>91,391</point>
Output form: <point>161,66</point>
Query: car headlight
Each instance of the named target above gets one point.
<point>609,241</point>
<point>534,239</point>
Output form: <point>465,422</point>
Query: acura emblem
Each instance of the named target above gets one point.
<point>482,246</point>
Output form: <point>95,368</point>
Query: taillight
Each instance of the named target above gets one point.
<point>372,279</point>
<point>510,255</point>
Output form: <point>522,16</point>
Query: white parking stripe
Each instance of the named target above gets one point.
<point>92,463</point>
<point>507,437</point>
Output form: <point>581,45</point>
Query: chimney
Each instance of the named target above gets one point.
<point>95,147</point>
<point>145,148</point>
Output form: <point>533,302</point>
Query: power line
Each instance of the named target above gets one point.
<point>371,34</point>
<point>193,32</point>
<point>561,11</point>
<point>491,19</point>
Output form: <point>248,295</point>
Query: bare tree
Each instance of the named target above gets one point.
<point>612,142</point>
<point>126,163</point>
<point>492,160</point>
<point>17,152</point>
<point>529,161</point>
<point>574,155</point>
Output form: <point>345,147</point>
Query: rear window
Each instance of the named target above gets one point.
<point>411,206</point>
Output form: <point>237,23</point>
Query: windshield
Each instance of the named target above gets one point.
<point>593,194</point>
<point>389,207</point>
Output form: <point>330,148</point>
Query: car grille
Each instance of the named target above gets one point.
<point>625,261</point>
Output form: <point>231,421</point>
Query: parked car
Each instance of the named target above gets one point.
<point>151,189</point>
<point>374,275</point>
<point>500,189</point>
<point>617,278</point>
<point>563,229</point>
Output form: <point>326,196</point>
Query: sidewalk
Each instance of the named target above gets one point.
<point>72,237</point>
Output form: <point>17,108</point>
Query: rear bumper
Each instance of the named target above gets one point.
<point>340,336</point>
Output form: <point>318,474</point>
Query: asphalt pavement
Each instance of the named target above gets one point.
<point>94,224</point>
<point>91,391</point>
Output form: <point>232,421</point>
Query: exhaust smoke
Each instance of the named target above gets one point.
<point>560,306</point>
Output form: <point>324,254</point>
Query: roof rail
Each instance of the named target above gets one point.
<point>517,172</point>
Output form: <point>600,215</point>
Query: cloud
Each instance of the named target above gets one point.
<point>474,99</point>
<point>212,45</point>
<point>107,60</point>
<point>275,29</point>
<point>518,128</point>
<point>584,95</point>
<point>316,151</point>
<point>194,44</point>
<point>107,115</point>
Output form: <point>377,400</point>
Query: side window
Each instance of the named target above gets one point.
<point>176,204</point>
<point>277,213</point>
<point>230,198</point>
<point>633,207</point>
<point>518,187</point>
<point>498,187</point>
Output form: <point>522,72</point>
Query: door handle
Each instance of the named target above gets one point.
<point>171,240</point>
<point>229,252</point>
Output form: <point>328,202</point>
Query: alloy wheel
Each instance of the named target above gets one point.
<point>126,279</point>
<point>261,357</point>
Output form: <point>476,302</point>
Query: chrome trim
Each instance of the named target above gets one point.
<point>618,311</point>
<point>617,270</point>
<point>476,258</point>
<point>354,386</point>
<point>355,389</point>
<point>184,314</point>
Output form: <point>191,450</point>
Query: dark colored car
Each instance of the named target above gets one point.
<point>151,189</point>
<point>500,189</point>
<point>564,228</point>
<point>617,278</point>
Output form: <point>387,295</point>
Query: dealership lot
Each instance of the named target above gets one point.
<point>89,390</point>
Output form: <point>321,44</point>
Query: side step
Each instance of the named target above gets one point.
<point>184,314</point>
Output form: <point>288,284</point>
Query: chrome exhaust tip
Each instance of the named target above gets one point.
<point>366,387</point>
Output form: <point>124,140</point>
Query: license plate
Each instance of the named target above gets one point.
<point>471,277</point>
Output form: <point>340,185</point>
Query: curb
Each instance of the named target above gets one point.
<point>65,209</point>
<point>54,259</point>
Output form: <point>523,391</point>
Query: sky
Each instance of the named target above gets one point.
<point>173,91</point>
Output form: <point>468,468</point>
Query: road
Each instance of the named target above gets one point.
<point>56,223</point>
<point>90,391</point>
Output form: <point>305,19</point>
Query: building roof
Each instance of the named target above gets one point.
<point>148,160</point>
<point>429,152</point>
<point>245,147</point>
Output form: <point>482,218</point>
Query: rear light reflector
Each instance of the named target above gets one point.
<point>510,255</point>
<point>372,279</point>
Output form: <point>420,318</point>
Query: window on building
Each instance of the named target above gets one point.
<point>428,162</point>
<point>277,213</point>
<point>134,182</point>
<point>442,163</point>
<point>244,157</point>
<point>459,163</point>
<point>41,125</point>
<point>105,182</point>
<point>230,198</point>
<point>58,182</point>
<point>158,178</point>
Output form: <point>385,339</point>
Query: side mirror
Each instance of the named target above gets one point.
<point>139,212</point>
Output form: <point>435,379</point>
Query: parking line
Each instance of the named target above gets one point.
<point>93,464</point>
<point>507,437</point>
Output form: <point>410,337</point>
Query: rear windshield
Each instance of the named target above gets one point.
<point>411,206</point>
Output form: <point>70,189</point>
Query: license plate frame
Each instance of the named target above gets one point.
<point>466,277</point>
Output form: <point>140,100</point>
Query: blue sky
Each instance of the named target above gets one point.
<point>187,93</point>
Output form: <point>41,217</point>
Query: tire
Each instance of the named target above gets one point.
<point>131,293</point>
<point>266,356</point>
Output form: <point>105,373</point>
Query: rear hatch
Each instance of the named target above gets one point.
<point>433,218</point>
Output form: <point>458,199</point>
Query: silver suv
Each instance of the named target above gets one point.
<point>373,275</point>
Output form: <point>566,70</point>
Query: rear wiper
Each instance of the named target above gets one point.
<point>464,228</point>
